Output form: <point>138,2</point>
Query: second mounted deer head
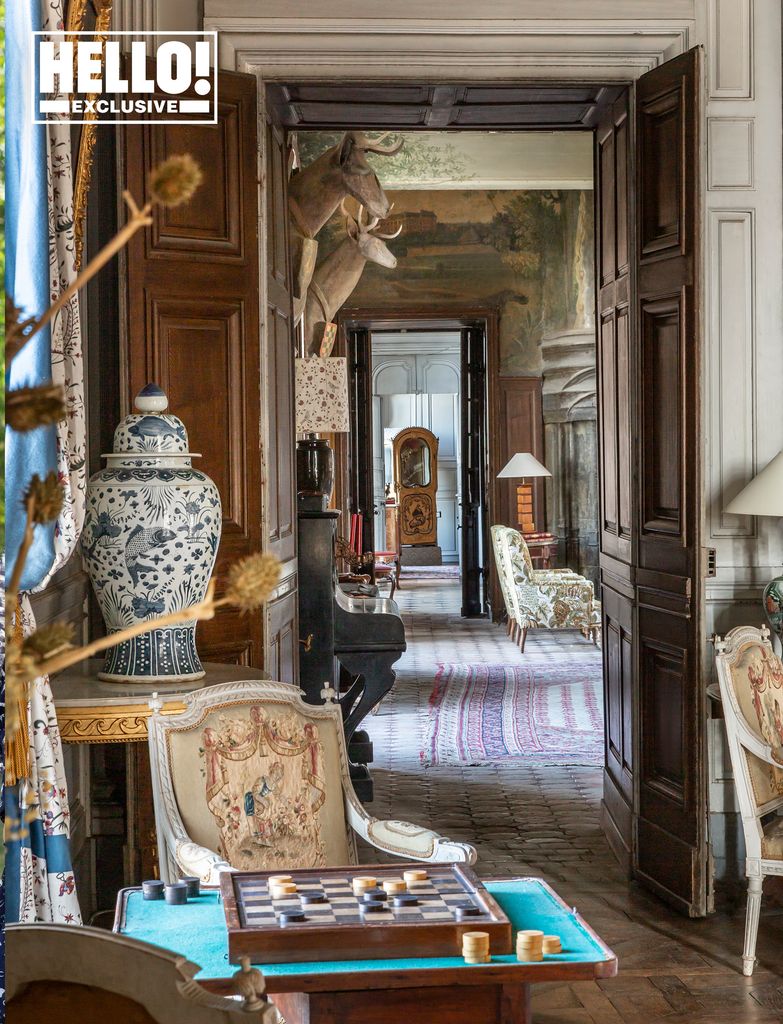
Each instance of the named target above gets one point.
<point>339,273</point>
<point>369,241</point>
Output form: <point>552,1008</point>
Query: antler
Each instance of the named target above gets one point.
<point>375,146</point>
<point>377,221</point>
<point>394,234</point>
<point>370,224</point>
<point>351,223</point>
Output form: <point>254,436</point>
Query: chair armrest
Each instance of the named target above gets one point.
<point>197,860</point>
<point>402,839</point>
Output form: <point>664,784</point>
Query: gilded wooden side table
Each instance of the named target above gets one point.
<point>92,711</point>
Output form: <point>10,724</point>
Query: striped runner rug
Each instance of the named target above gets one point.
<point>547,712</point>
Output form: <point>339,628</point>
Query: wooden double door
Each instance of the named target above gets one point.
<point>194,326</point>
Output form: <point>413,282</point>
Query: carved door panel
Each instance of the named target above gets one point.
<point>192,325</point>
<point>671,841</point>
<point>280,428</point>
<point>617,369</point>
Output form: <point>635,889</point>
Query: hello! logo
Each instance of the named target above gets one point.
<point>78,78</point>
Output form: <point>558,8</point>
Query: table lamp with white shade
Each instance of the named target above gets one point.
<point>763,496</point>
<point>524,465</point>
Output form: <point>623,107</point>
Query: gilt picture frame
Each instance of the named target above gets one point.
<point>76,20</point>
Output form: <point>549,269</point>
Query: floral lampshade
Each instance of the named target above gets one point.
<point>322,396</point>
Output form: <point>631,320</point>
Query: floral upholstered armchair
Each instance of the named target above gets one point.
<point>541,598</point>
<point>750,676</point>
<point>250,777</point>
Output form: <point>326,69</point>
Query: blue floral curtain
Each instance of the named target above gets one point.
<point>39,881</point>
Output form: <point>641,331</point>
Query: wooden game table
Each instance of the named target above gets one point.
<point>435,990</point>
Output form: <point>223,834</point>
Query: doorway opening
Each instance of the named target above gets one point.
<point>427,375</point>
<point>645,147</point>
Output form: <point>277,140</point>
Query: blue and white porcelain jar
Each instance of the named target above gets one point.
<point>151,534</point>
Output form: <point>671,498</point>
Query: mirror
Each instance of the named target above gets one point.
<point>414,463</point>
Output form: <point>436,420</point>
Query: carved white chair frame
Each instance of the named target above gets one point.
<point>179,854</point>
<point>160,981</point>
<point>741,737</point>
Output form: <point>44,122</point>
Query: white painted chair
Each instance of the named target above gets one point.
<point>250,777</point>
<point>750,675</point>
<point>61,972</point>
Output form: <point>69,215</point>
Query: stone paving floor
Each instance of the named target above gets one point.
<point>519,818</point>
<point>545,821</point>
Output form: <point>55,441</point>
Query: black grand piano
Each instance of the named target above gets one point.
<point>348,641</point>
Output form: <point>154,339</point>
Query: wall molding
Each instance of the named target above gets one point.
<point>397,49</point>
<point>730,154</point>
<point>731,49</point>
<point>732,366</point>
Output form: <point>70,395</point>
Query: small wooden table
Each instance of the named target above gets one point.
<point>542,548</point>
<point>415,990</point>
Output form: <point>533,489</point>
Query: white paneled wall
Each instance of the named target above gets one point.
<point>744,298</point>
<point>416,384</point>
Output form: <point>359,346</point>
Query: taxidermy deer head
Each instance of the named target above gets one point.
<point>316,192</point>
<point>339,274</point>
<point>341,171</point>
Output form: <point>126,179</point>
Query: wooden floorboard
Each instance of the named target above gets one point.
<point>544,821</point>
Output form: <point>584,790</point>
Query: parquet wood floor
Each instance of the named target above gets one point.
<point>544,821</point>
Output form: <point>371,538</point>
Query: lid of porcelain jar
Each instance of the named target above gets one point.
<point>151,430</point>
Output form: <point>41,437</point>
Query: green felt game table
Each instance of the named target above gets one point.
<point>380,991</point>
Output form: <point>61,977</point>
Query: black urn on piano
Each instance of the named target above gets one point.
<point>314,471</point>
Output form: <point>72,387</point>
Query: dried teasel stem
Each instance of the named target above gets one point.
<point>140,218</point>
<point>204,610</point>
<point>251,580</point>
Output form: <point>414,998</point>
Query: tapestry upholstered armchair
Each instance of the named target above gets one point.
<point>541,598</point>
<point>250,777</point>
<point>750,676</point>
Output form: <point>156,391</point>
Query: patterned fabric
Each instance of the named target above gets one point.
<point>39,877</point>
<point>43,887</point>
<point>757,678</point>
<point>66,334</point>
<point>545,713</point>
<point>265,788</point>
<point>543,598</point>
<point>322,395</point>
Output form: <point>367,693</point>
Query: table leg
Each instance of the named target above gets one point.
<point>457,1004</point>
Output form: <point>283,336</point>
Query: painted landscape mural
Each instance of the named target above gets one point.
<point>526,253</point>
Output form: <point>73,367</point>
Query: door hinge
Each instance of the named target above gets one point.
<point>710,563</point>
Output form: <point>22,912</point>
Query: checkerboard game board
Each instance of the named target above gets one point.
<point>323,918</point>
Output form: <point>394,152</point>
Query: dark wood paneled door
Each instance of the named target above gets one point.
<point>654,801</point>
<point>362,498</point>
<point>473,446</point>
<point>282,648</point>
<point>670,854</point>
<point>617,370</point>
<point>193,324</point>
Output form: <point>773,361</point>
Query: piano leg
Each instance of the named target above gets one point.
<point>374,678</point>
